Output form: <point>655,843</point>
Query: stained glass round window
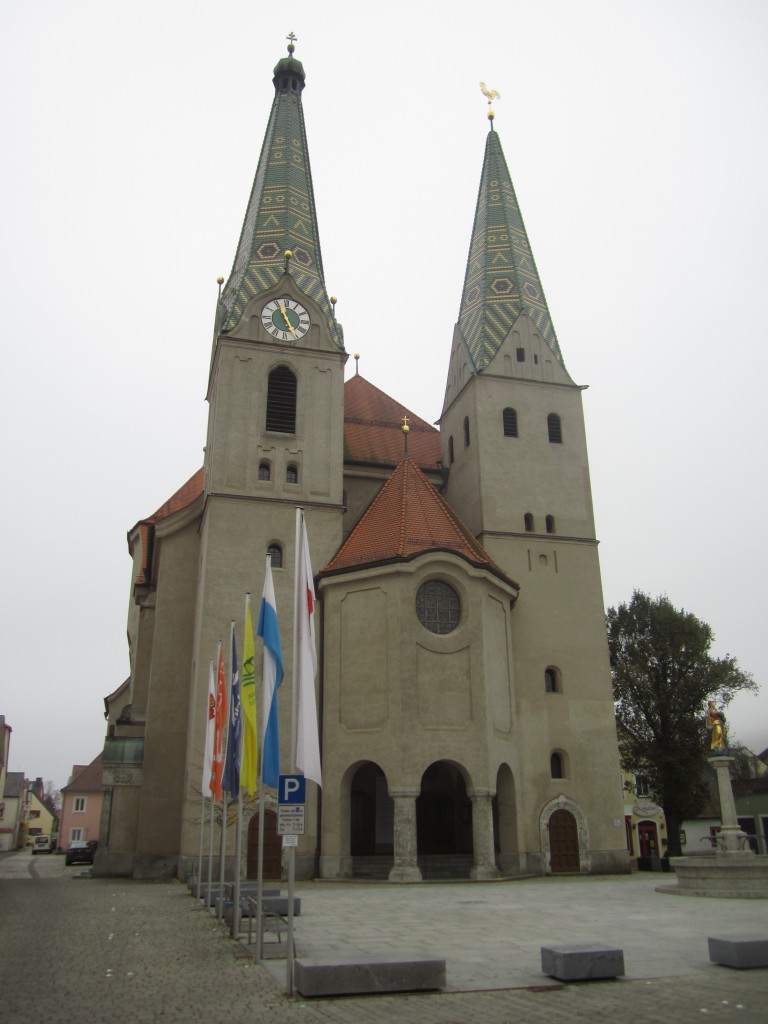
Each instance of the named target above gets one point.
<point>437,606</point>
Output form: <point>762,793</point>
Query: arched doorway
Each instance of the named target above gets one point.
<point>647,839</point>
<point>563,842</point>
<point>273,847</point>
<point>372,823</point>
<point>444,823</point>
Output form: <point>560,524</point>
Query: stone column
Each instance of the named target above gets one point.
<point>405,867</point>
<point>731,838</point>
<point>482,835</point>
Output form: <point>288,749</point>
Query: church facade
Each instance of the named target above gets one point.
<point>464,690</point>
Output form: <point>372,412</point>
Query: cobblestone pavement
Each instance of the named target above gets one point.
<point>122,952</point>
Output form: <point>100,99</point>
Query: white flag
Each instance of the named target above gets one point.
<point>307,737</point>
<point>210,714</point>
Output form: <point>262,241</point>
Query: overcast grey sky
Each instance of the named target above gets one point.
<point>635,133</point>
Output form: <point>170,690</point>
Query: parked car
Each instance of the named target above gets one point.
<point>79,852</point>
<point>41,844</point>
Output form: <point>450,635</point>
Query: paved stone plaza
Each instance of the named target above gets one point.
<point>120,951</point>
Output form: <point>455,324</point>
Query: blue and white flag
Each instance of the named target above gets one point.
<point>268,630</point>
<point>231,780</point>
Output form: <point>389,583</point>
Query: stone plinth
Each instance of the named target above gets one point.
<point>740,951</point>
<point>582,962</point>
<point>363,975</point>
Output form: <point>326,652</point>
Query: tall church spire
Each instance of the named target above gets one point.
<point>501,281</point>
<point>281,216</point>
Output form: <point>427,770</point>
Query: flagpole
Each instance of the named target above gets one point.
<point>260,856</point>
<point>200,854</point>
<point>238,856</point>
<point>210,854</point>
<point>222,857</point>
<point>292,749</point>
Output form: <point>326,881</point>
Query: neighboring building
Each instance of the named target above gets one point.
<point>81,804</point>
<point>644,820</point>
<point>13,812</point>
<point>466,709</point>
<point>39,820</point>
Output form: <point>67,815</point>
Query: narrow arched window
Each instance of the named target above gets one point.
<point>265,471</point>
<point>554,428</point>
<point>292,474</point>
<point>528,522</point>
<point>450,450</point>
<point>550,524</point>
<point>551,680</point>
<point>509,417</point>
<point>275,553</point>
<point>466,432</point>
<point>556,767</point>
<point>281,401</point>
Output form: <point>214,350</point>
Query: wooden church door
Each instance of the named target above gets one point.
<point>563,842</point>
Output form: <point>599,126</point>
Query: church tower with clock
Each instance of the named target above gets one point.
<point>466,719</point>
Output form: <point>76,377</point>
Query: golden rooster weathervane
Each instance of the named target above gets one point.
<point>490,95</point>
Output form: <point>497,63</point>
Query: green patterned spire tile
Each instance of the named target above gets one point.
<point>281,210</point>
<point>501,281</point>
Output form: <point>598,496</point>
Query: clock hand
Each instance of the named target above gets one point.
<point>285,317</point>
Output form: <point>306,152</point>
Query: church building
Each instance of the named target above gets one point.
<point>464,690</point>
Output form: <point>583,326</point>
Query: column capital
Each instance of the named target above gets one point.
<point>405,791</point>
<point>480,791</point>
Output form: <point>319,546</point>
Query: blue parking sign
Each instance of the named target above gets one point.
<point>292,789</point>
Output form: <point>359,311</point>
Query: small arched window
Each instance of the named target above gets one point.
<point>292,474</point>
<point>281,401</point>
<point>551,679</point>
<point>556,766</point>
<point>509,417</point>
<point>554,428</point>
<point>450,450</point>
<point>528,522</point>
<point>265,471</point>
<point>466,432</point>
<point>275,553</point>
<point>550,524</point>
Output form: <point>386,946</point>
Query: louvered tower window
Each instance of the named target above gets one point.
<point>509,417</point>
<point>555,428</point>
<point>281,401</point>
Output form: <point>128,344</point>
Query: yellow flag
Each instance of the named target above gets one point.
<point>249,767</point>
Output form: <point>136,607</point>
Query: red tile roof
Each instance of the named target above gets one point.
<point>373,428</point>
<point>88,780</point>
<point>407,518</point>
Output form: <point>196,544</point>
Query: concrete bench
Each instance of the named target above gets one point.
<point>582,961</point>
<point>364,975</point>
<point>275,905</point>
<point>739,951</point>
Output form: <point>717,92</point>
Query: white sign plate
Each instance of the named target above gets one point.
<point>290,841</point>
<point>290,820</point>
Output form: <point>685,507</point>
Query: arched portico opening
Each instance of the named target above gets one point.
<point>444,823</point>
<point>505,822</point>
<point>371,823</point>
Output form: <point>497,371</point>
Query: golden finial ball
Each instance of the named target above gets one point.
<point>405,428</point>
<point>491,115</point>
<point>356,355</point>
<point>288,254</point>
<point>219,280</point>
<point>334,300</point>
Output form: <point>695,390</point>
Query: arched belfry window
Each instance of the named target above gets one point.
<point>292,474</point>
<point>509,418</point>
<point>265,470</point>
<point>551,679</point>
<point>550,524</point>
<point>557,765</point>
<point>281,401</point>
<point>554,428</point>
<point>528,520</point>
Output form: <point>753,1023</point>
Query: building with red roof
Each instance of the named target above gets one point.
<point>463,690</point>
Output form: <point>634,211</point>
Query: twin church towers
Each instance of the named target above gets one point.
<point>464,691</point>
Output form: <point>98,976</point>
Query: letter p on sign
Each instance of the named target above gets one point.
<point>292,789</point>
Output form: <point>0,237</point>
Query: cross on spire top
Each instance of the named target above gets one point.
<point>292,39</point>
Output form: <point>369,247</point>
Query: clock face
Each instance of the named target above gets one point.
<point>285,319</point>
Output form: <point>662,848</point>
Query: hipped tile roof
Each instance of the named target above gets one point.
<point>373,428</point>
<point>408,518</point>
<point>88,780</point>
